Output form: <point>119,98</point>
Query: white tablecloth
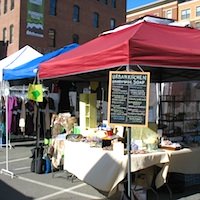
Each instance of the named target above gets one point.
<point>105,169</point>
<point>186,161</point>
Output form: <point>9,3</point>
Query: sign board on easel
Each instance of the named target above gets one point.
<point>128,98</point>
<point>128,104</point>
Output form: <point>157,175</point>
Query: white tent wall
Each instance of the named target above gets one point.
<point>18,58</point>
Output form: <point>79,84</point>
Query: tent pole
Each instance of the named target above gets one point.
<point>6,171</point>
<point>38,126</point>
<point>129,153</point>
<point>129,161</point>
<point>159,107</point>
<point>38,115</point>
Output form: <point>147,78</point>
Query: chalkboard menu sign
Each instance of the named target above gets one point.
<point>128,98</point>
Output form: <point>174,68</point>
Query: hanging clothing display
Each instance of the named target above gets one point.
<point>22,115</point>
<point>12,101</point>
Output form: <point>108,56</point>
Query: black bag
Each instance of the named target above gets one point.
<point>37,163</point>
<point>33,165</point>
<point>40,166</point>
<point>37,152</point>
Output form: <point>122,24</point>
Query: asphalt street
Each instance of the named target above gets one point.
<point>26,185</point>
<point>29,185</point>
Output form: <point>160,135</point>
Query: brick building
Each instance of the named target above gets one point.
<point>189,10</point>
<point>179,10</point>
<point>47,25</point>
<point>165,9</point>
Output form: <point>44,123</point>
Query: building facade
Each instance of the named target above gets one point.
<point>181,10</point>
<point>47,25</point>
<point>165,9</point>
<point>190,10</point>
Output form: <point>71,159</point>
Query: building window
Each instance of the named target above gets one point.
<point>198,11</point>
<point>11,33</point>
<point>12,4</point>
<point>75,38</point>
<point>76,13</point>
<point>105,1</point>
<point>112,23</point>
<point>52,37</point>
<point>96,19</point>
<point>197,25</point>
<point>113,3</point>
<point>185,14</point>
<point>4,34</point>
<point>168,14</point>
<point>52,10</point>
<point>5,6</point>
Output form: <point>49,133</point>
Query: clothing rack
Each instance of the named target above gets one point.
<point>24,89</point>
<point>6,90</point>
<point>20,90</point>
<point>6,170</point>
<point>3,92</point>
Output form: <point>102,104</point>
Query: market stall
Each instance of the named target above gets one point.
<point>169,53</point>
<point>18,106</point>
<point>23,55</point>
<point>23,65</point>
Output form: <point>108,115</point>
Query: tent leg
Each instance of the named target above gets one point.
<point>7,172</point>
<point>129,162</point>
<point>9,144</point>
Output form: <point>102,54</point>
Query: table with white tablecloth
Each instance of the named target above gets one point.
<point>104,169</point>
<point>182,163</point>
<point>185,161</point>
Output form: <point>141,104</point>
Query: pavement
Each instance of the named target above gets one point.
<point>26,185</point>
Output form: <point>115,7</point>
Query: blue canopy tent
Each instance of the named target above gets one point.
<point>29,69</point>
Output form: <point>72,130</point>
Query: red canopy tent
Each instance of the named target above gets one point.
<point>145,43</point>
<point>168,50</point>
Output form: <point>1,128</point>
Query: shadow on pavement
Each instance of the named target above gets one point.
<point>8,193</point>
<point>189,193</point>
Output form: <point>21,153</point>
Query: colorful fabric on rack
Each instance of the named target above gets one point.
<point>12,102</point>
<point>22,117</point>
<point>29,126</point>
<point>16,116</point>
<point>2,129</point>
<point>47,117</point>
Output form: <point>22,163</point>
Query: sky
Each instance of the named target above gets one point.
<point>135,3</point>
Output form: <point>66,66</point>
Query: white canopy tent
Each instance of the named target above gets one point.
<point>18,58</point>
